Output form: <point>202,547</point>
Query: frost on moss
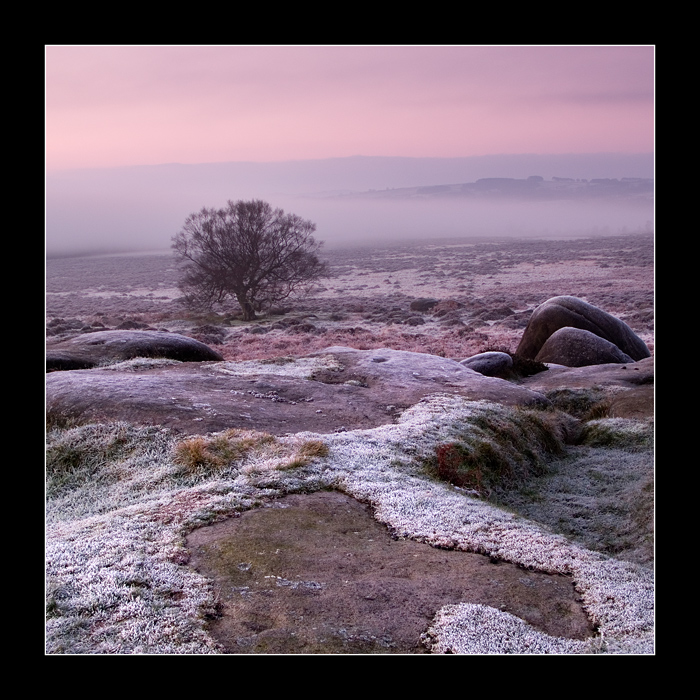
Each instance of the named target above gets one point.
<point>479,629</point>
<point>115,529</point>
<point>498,451</point>
<point>600,497</point>
<point>138,364</point>
<point>622,433</point>
<point>119,506</point>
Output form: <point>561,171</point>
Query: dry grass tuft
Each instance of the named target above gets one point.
<point>260,452</point>
<point>314,448</point>
<point>305,453</point>
<point>211,454</point>
<point>586,404</point>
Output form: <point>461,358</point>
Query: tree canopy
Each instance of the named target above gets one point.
<point>247,251</point>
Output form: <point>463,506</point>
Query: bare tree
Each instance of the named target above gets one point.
<point>247,251</point>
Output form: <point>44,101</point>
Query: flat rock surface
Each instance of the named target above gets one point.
<point>206,397</point>
<point>318,574</point>
<point>630,374</point>
<point>634,379</point>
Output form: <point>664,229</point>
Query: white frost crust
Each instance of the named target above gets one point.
<point>480,629</point>
<point>121,588</point>
<point>298,368</point>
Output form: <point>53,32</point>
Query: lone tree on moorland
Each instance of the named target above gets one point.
<point>249,251</point>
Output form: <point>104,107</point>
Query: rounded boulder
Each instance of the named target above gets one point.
<point>423,305</point>
<point>574,347</point>
<point>490,364</point>
<point>103,347</point>
<point>571,312</point>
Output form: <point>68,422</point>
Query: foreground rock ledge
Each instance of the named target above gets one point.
<point>369,388</point>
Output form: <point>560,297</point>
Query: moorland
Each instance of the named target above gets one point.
<point>133,568</point>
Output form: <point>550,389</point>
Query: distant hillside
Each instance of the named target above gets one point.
<point>531,188</point>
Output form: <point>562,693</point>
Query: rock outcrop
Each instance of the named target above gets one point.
<point>574,347</point>
<point>446,306</point>
<point>423,305</point>
<point>567,311</point>
<point>365,389</point>
<point>629,387</point>
<point>102,347</point>
<point>490,364</point>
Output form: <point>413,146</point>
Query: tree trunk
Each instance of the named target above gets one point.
<point>248,310</point>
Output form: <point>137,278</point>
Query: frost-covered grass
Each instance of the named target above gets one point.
<point>299,367</point>
<point>120,503</point>
<point>600,493</point>
<point>496,453</point>
<point>466,628</point>
<point>138,364</point>
<point>631,435</point>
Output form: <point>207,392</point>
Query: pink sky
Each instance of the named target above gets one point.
<point>136,105</point>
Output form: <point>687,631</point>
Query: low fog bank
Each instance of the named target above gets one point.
<point>344,224</point>
<point>377,223</point>
<point>141,208</point>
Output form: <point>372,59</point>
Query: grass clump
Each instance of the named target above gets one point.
<point>213,453</point>
<point>500,451</point>
<point>622,433</point>
<point>248,450</point>
<point>57,419</point>
<point>305,453</point>
<point>586,404</point>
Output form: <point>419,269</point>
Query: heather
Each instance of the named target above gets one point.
<point>365,303</point>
